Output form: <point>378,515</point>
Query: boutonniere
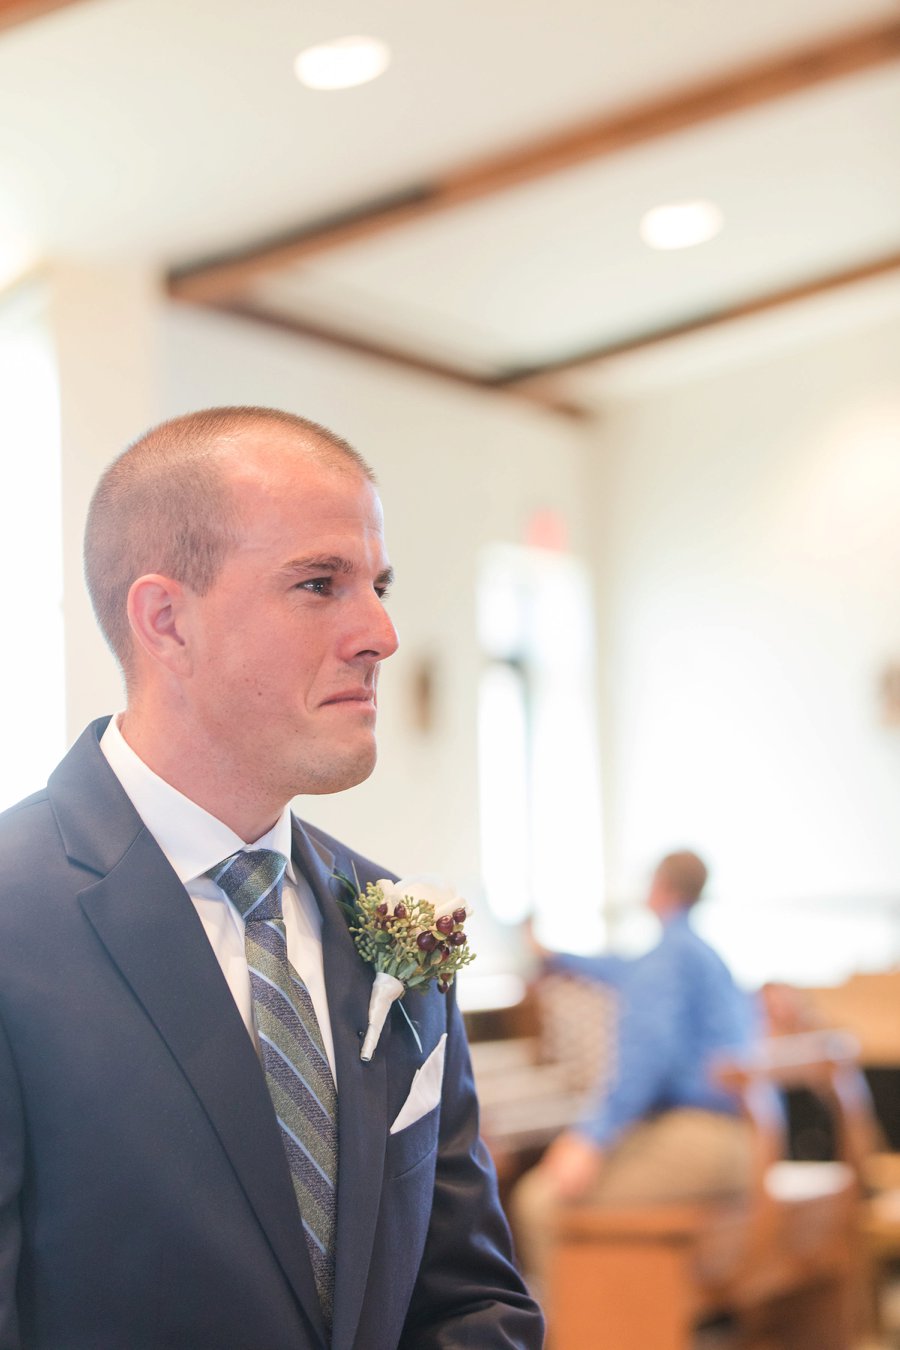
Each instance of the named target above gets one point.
<point>411,933</point>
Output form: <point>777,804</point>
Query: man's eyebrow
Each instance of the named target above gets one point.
<point>320,562</point>
<point>331,562</point>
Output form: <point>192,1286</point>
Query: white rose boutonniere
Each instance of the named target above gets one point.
<point>411,933</point>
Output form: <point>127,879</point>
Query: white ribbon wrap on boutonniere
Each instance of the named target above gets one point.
<point>411,933</point>
<point>386,989</point>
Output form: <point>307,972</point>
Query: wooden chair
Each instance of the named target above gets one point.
<point>532,1086</point>
<point>881,1228</point>
<point>783,1262</point>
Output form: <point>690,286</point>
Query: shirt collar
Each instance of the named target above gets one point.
<point>678,918</point>
<point>192,839</point>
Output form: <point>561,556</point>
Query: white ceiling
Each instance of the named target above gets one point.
<point>557,265</point>
<point>168,130</point>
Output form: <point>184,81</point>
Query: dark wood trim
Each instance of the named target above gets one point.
<point>536,382</point>
<point>746,87</point>
<point>407,361</point>
<point>804,290</point>
<point>14,12</point>
<point>225,275</point>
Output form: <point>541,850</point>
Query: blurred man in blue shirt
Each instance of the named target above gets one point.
<point>660,1129</point>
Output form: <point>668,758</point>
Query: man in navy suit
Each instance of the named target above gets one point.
<point>237,567</point>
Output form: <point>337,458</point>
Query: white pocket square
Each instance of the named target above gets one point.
<point>425,1090</point>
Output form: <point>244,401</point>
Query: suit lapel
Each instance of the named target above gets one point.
<point>145,920</point>
<point>362,1092</point>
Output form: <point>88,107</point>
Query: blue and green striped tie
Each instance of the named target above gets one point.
<point>297,1071</point>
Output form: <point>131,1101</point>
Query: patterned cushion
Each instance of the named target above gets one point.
<point>576,1020</point>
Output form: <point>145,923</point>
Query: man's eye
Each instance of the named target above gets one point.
<point>382,592</point>
<point>318,585</point>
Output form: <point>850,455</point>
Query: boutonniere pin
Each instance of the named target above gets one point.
<point>411,933</point>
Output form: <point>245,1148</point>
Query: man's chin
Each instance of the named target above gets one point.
<point>338,774</point>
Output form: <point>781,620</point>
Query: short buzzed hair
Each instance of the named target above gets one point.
<point>685,874</point>
<point>165,505</point>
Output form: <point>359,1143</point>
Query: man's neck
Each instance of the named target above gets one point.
<point>179,764</point>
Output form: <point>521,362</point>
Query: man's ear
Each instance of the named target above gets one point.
<point>156,613</point>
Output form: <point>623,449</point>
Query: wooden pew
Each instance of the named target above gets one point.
<point>539,1079</point>
<point>783,1262</point>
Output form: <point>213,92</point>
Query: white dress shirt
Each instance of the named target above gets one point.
<point>193,842</point>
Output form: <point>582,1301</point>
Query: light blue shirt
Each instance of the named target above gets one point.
<point>678,1010</point>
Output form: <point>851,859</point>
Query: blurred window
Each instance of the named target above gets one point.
<point>32,688</point>
<point>808,942</point>
<point>539,781</point>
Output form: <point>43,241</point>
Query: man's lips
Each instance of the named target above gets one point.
<point>359,696</point>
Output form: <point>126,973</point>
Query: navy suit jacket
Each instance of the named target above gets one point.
<point>145,1199</point>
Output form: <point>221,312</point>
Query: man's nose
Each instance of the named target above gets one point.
<point>390,640</point>
<point>378,634</point>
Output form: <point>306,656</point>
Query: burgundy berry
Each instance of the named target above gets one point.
<point>458,939</point>
<point>444,924</point>
<point>382,909</point>
<point>426,942</point>
<point>459,916</point>
<point>400,911</point>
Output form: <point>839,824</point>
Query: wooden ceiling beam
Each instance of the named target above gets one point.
<point>548,399</point>
<point>538,384</point>
<point>537,377</point>
<point>749,86</point>
<point>14,12</point>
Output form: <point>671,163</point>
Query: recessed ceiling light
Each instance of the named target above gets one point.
<point>343,63</point>
<point>681,224</point>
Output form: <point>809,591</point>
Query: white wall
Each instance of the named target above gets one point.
<point>752,583</point>
<point>32,683</point>
<point>104,321</point>
<point>457,470</point>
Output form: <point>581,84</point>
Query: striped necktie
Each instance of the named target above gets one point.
<point>297,1071</point>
